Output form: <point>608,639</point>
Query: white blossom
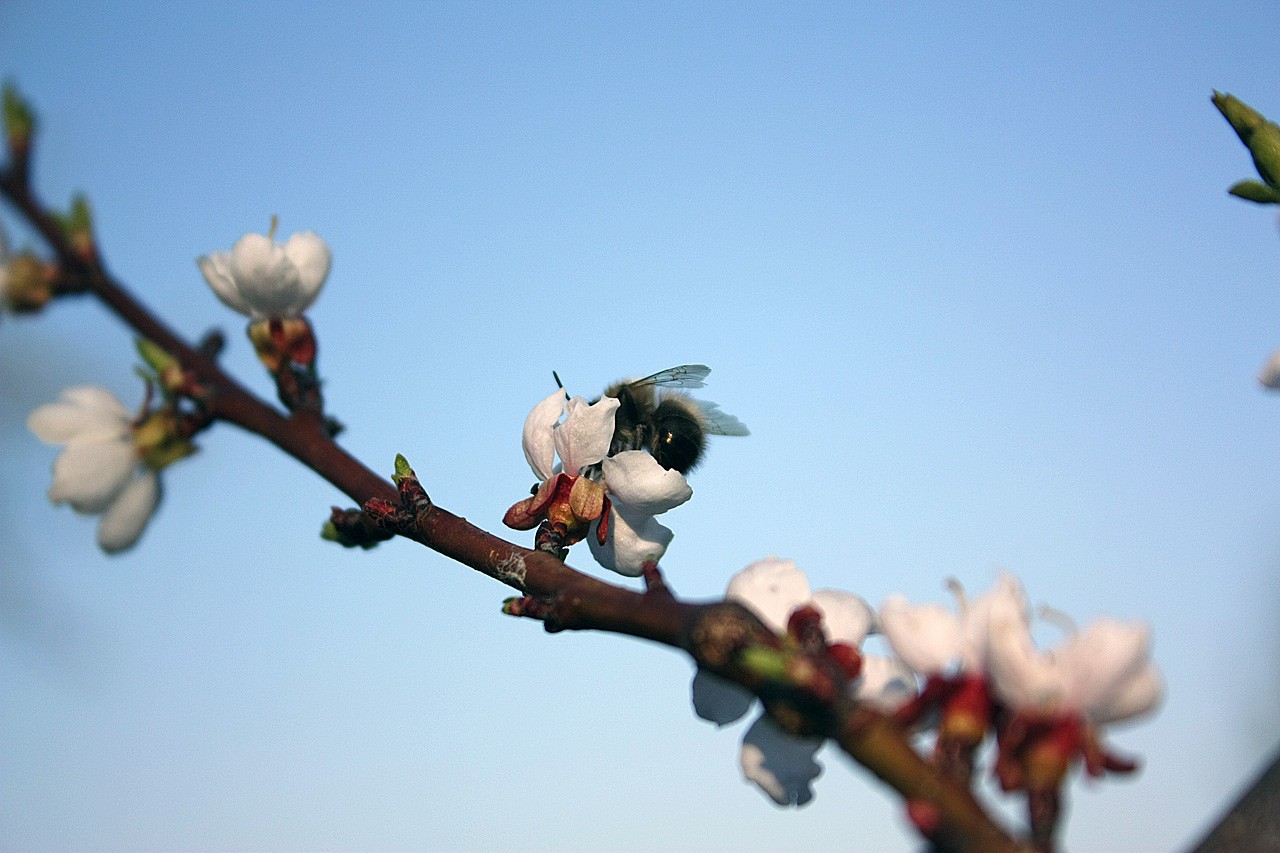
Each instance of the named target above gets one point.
<point>935,641</point>
<point>100,470</point>
<point>266,280</point>
<point>1103,672</point>
<point>581,439</point>
<point>782,765</point>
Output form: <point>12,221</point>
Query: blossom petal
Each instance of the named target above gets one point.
<point>1140,695</point>
<point>539,446</point>
<point>1019,674</point>
<point>310,255</point>
<point>886,684</point>
<point>90,474</point>
<point>1099,662</point>
<point>636,479</point>
<point>584,437</point>
<point>65,422</point>
<point>846,617</point>
<point>266,279</point>
<point>216,270</point>
<point>928,637</point>
<point>771,588</point>
<point>1008,595</point>
<point>718,699</point>
<point>782,766</point>
<point>634,539</point>
<point>125,519</point>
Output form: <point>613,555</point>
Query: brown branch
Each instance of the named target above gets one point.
<point>712,633</point>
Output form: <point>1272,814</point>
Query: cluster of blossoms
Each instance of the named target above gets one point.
<point>611,501</point>
<point>111,462</point>
<point>979,672</point>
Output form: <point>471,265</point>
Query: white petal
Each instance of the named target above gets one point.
<point>128,514</point>
<point>636,479</point>
<point>90,474</point>
<point>584,437</point>
<point>99,402</point>
<point>1019,674</point>
<point>312,258</point>
<point>1099,662</point>
<point>539,447</point>
<point>771,589</point>
<point>63,423</point>
<point>783,766</point>
<point>886,683</point>
<point>1140,695</point>
<point>634,539</point>
<point>928,637</point>
<point>846,617</point>
<point>718,699</point>
<point>1270,374</point>
<point>216,270</point>
<point>266,279</point>
<point>976,615</point>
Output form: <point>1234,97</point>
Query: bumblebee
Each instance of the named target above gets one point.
<point>671,425</point>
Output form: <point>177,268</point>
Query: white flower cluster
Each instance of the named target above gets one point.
<point>1101,675</point>
<point>638,488</point>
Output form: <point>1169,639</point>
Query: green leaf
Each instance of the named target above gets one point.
<point>1256,191</point>
<point>402,469</point>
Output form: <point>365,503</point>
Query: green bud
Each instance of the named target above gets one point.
<point>19,119</point>
<point>1260,136</point>
<point>160,441</point>
<point>329,533</point>
<point>155,357</point>
<point>765,662</point>
<point>402,469</point>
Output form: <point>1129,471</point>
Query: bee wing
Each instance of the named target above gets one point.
<point>716,421</point>
<point>683,376</point>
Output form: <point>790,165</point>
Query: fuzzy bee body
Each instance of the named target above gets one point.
<point>671,426</point>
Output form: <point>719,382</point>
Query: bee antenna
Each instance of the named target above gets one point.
<point>556,377</point>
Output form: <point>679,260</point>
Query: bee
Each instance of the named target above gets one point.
<point>670,425</point>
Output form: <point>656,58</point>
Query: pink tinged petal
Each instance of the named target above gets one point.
<point>125,519</point>
<point>781,765</point>
<point>217,272</point>
<point>771,588</point>
<point>1007,594</point>
<point>718,699</point>
<point>266,279</point>
<point>310,255</point>
<point>846,617</point>
<point>928,637</point>
<point>1098,662</point>
<point>1019,674</point>
<point>1140,695</point>
<point>636,479</point>
<point>90,474</point>
<point>539,446</point>
<point>1269,376</point>
<point>633,540</point>
<point>886,683</point>
<point>584,437</point>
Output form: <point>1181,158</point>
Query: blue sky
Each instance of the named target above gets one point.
<point>971,277</point>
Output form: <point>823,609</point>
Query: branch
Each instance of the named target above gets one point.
<point>714,634</point>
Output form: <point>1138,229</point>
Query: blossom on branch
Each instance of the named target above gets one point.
<point>111,461</point>
<point>610,499</point>
<point>781,764</point>
<point>265,280</point>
